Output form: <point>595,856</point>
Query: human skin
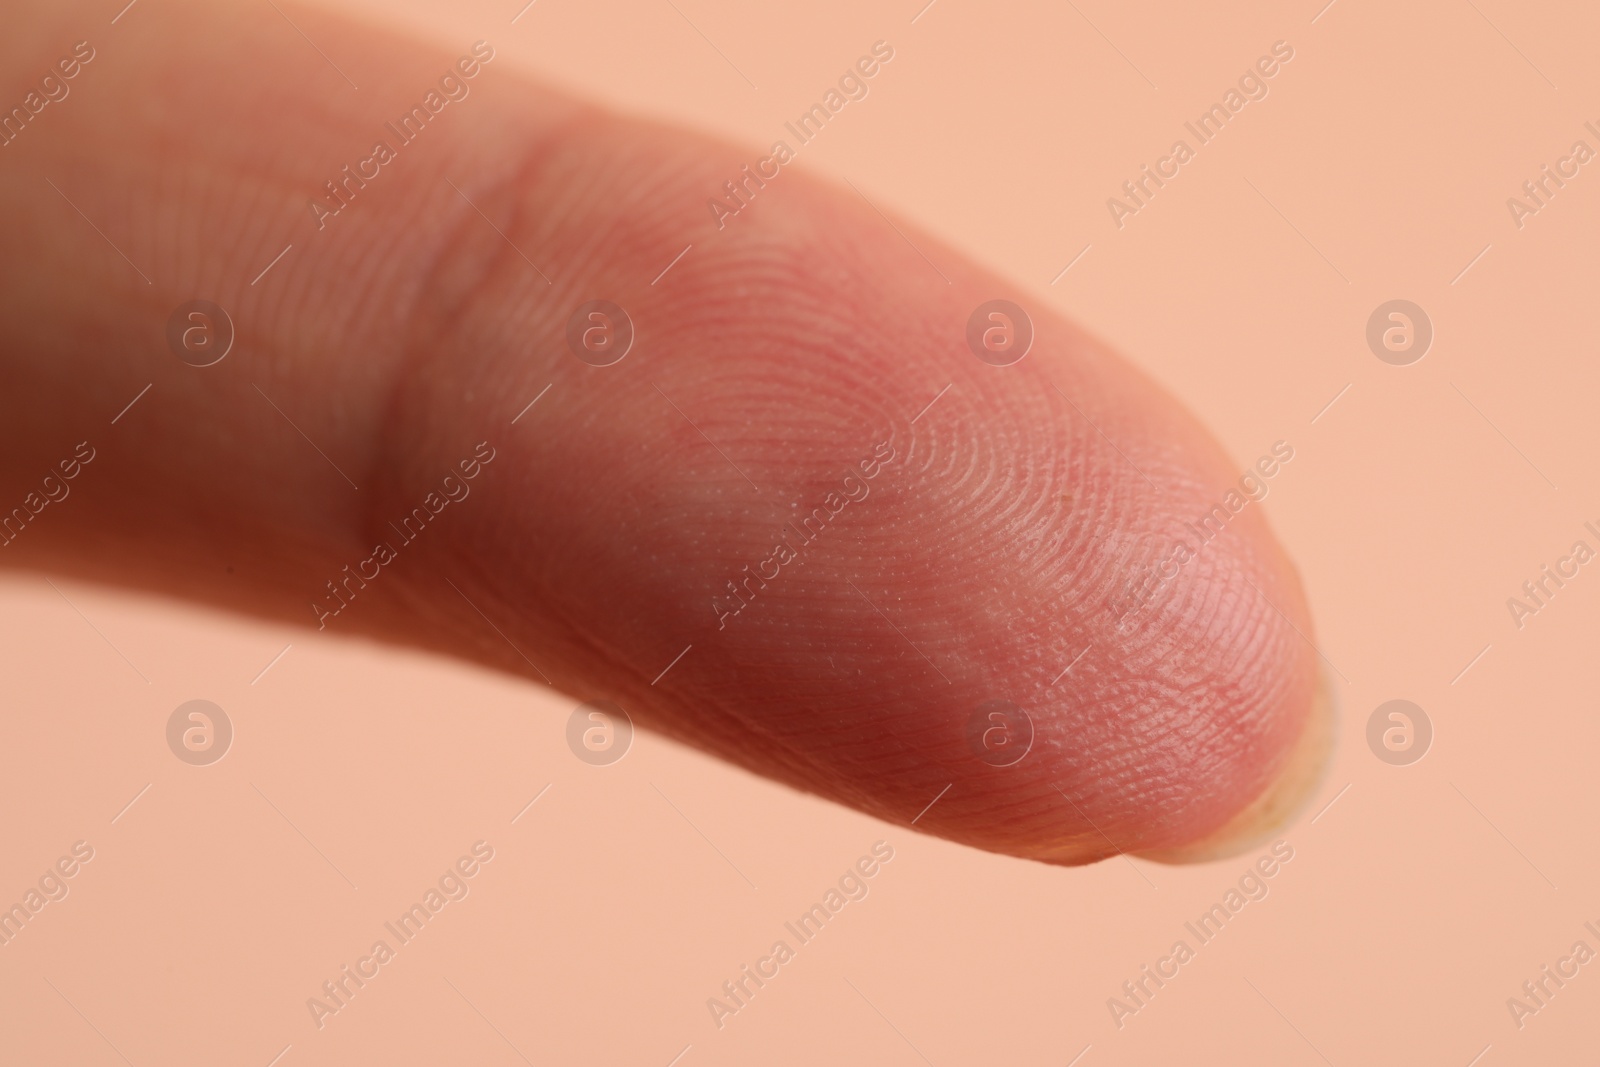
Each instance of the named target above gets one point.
<point>989,553</point>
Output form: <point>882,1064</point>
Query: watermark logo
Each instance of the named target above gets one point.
<point>599,733</point>
<point>600,333</point>
<point>1542,189</point>
<point>199,733</point>
<point>1399,732</point>
<point>54,491</point>
<point>1253,886</point>
<point>340,191</point>
<point>1251,86</point>
<point>452,886</point>
<point>1399,332</point>
<point>1543,987</point>
<point>52,886</point>
<point>999,333</point>
<point>1000,733</point>
<point>852,86</point>
<point>1550,580</point>
<point>796,535</point>
<point>1142,590</point>
<point>200,333</point>
<point>451,490</point>
<point>853,885</point>
<point>52,88</point>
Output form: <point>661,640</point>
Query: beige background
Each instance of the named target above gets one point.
<point>1377,168</point>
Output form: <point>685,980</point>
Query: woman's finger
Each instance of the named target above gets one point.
<point>451,360</point>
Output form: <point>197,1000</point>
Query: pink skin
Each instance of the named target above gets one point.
<point>986,555</point>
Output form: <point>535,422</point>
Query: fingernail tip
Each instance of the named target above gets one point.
<point>1283,801</point>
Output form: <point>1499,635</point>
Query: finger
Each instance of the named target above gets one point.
<point>800,523</point>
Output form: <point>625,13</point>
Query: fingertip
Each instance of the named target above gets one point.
<point>1285,798</point>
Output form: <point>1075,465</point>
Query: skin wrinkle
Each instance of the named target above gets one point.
<point>414,348</point>
<point>599,649</point>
